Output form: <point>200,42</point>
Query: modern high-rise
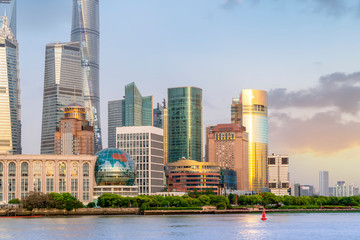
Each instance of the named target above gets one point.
<point>145,145</point>
<point>324,183</point>
<point>236,114</point>
<point>115,119</point>
<point>185,124</point>
<point>62,86</point>
<point>279,174</point>
<point>133,110</point>
<point>74,136</point>
<point>85,30</point>
<point>227,145</point>
<point>10,108</point>
<point>8,8</point>
<point>254,116</point>
<point>161,121</point>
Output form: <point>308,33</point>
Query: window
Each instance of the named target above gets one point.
<point>24,169</point>
<point>74,170</point>
<point>284,161</point>
<point>272,185</point>
<point>49,185</point>
<point>86,185</point>
<point>50,169</point>
<point>271,161</point>
<point>1,170</point>
<point>12,169</point>
<point>62,169</point>
<point>62,185</point>
<point>86,170</point>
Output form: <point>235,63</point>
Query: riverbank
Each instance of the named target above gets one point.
<point>136,211</point>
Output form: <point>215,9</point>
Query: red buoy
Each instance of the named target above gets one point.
<point>263,216</point>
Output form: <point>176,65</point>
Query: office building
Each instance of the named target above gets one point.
<point>343,189</point>
<point>227,145</point>
<point>185,124</point>
<point>161,121</point>
<point>145,145</point>
<point>278,174</point>
<point>21,174</point>
<point>228,179</point>
<point>62,86</point>
<point>74,136</point>
<point>254,117</point>
<point>236,112</point>
<point>188,176</point>
<point>85,30</point>
<point>133,110</point>
<point>324,183</point>
<point>8,8</point>
<point>10,107</point>
<point>115,119</point>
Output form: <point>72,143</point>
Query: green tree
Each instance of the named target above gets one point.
<point>14,201</point>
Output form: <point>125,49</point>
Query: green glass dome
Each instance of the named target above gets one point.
<point>114,167</point>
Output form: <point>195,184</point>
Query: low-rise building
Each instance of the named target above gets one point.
<point>278,167</point>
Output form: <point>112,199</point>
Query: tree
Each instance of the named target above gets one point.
<point>14,201</point>
<point>232,198</point>
<point>36,200</point>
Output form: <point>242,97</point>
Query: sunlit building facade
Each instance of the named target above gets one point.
<point>74,136</point>
<point>254,107</point>
<point>8,7</point>
<point>85,30</point>
<point>10,108</point>
<point>22,174</point>
<point>62,86</point>
<point>279,182</point>
<point>185,124</point>
<point>189,175</point>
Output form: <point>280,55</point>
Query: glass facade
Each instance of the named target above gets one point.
<point>62,86</point>
<point>85,29</point>
<point>9,7</point>
<point>255,119</point>
<point>114,167</point>
<point>228,179</point>
<point>10,108</point>
<point>184,124</point>
<point>236,114</point>
<point>115,119</point>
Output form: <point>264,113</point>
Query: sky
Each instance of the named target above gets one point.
<point>303,52</point>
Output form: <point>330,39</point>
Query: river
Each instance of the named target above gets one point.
<point>200,227</point>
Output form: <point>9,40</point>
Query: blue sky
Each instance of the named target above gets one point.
<point>221,47</point>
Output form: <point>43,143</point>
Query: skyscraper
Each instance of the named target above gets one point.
<point>85,29</point>
<point>8,8</point>
<point>236,114</point>
<point>185,124</point>
<point>134,110</point>
<point>255,118</point>
<point>115,119</point>
<point>62,86</point>
<point>324,183</point>
<point>10,108</point>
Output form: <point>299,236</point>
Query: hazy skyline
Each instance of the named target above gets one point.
<point>305,53</point>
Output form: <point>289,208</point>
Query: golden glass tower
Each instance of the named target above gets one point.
<point>254,109</point>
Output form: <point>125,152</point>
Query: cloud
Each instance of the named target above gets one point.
<point>338,89</point>
<point>324,133</point>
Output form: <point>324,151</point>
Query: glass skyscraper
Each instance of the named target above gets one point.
<point>62,86</point>
<point>134,110</point>
<point>10,108</point>
<point>85,29</point>
<point>8,7</point>
<point>254,108</point>
<point>185,124</point>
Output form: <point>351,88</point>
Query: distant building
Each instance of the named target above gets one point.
<point>278,174</point>
<point>324,183</point>
<point>189,175</point>
<point>10,107</point>
<point>236,111</point>
<point>227,145</point>
<point>9,7</point>
<point>185,136</point>
<point>307,190</point>
<point>343,189</point>
<point>62,85</point>
<point>161,121</point>
<point>21,174</point>
<point>145,145</point>
<point>332,191</point>
<point>74,136</point>
<point>228,179</point>
<point>133,110</point>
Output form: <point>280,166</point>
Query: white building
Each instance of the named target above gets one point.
<point>343,189</point>
<point>278,168</point>
<point>324,183</point>
<point>145,145</point>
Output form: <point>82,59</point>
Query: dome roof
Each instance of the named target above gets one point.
<point>74,105</point>
<point>114,167</point>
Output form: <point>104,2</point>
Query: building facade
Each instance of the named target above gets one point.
<point>75,136</point>
<point>185,124</point>
<point>324,183</point>
<point>145,145</point>
<point>236,113</point>
<point>227,145</point>
<point>8,7</point>
<point>10,107</point>
<point>116,111</point>
<point>343,189</point>
<point>254,114</point>
<point>21,174</point>
<point>279,174</point>
<point>62,86</point>
<point>189,175</point>
<point>85,30</point>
